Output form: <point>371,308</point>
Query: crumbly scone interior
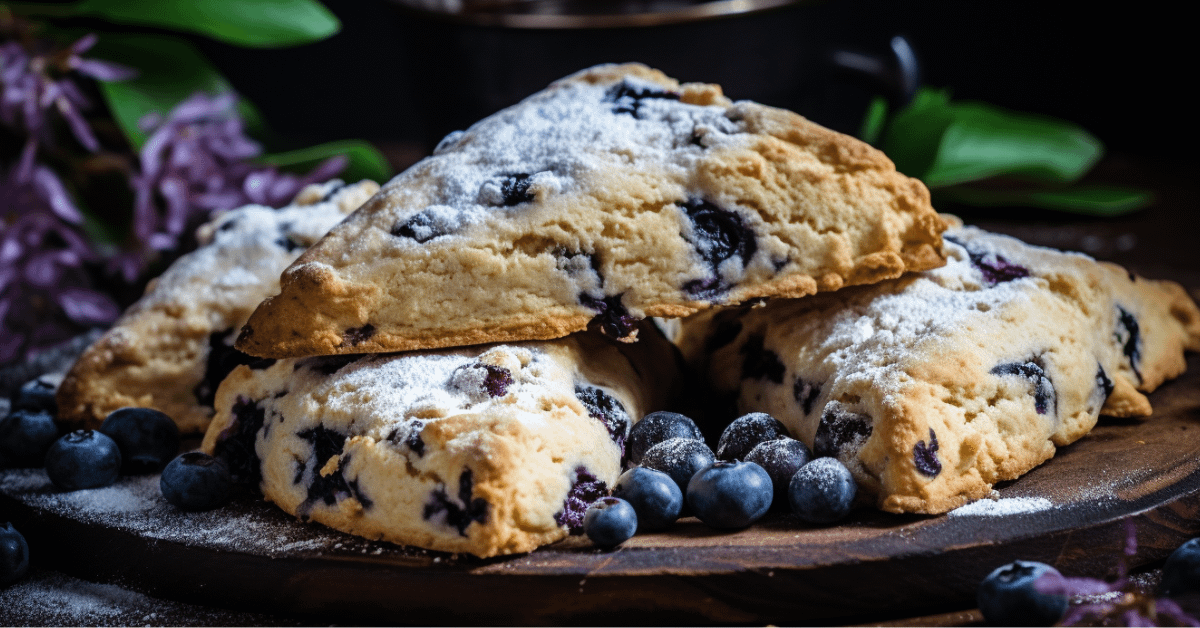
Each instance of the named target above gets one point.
<point>613,195</point>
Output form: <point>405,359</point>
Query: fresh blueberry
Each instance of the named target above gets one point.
<point>1181,572</point>
<point>655,428</point>
<point>610,521</point>
<point>196,481</point>
<point>780,458</point>
<point>1007,596</point>
<point>730,494</point>
<point>746,432</point>
<point>680,458</point>
<point>83,459</point>
<point>38,394</point>
<point>654,496</point>
<point>148,439</point>
<point>14,555</point>
<point>822,491</point>
<point>25,435</point>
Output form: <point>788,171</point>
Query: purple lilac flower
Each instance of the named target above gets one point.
<point>196,163</point>
<point>34,83</point>
<point>1098,602</point>
<point>45,292</point>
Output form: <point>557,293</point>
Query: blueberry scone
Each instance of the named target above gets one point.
<point>487,450</point>
<point>172,347</point>
<point>613,195</point>
<point>933,387</point>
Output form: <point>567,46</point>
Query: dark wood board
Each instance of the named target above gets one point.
<point>874,565</point>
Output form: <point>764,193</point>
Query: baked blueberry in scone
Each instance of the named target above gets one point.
<point>615,194</point>
<point>934,386</point>
<point>171,348</point>
<point>488,450</point>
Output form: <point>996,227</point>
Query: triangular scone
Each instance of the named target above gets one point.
<point>171,348</point>
<point>613,195</point>
<point>488,450</point>
<point>935,386</point>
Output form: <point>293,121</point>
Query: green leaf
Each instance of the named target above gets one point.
<point>984,141</point>
<point>1091,200</point>
<point>169,70</point>
<point>914,135</point>
<point>366,162</point>
<point>874,120</point>
<point>250,23</point>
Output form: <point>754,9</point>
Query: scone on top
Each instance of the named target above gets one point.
<point>172,347</point>
<point>488,450</point>
<point>933,387</point>
<point>615,194</point>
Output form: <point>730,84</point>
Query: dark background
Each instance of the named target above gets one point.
<point>403,79</point>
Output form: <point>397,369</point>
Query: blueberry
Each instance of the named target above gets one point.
<point>1044,398</point>
<point>25,435</point>
<point>610,521</point>
<point>822,491</point>
<point>1129,336</point>
<point>717,235</point>
<point>38,395</point>
<point>148,439</point>
<point>730,494</point>
<point>654,496</point>
<point>746,432</point>
<point>14,555</point>
<point>780,458</point>
<point>611,317</point>
<point>515,189</point>
<point>585,489</point>
<point>1007,596</point>
<point>841,432</point>
<point>655,428</point>
<point>83,459</point>
<point>1181,572</point>
<point>680,458</point>
<point>925,456</point>
<point>608,410</point>
<point>196,481</point>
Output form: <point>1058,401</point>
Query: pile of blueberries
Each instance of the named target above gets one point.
<point>130,441</point>
<point>756,464</point>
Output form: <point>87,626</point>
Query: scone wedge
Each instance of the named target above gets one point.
<point>488,450</point>
<point>933,387</point>
<point>615,194</point>
<point>171,348</point>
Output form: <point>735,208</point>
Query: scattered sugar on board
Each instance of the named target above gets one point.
<point>1002,507</point>
<point>54,599</point>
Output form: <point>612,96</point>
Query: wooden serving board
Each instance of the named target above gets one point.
<point>248,555</point>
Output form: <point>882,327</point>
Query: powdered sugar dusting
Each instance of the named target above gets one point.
<point>1002,507</point>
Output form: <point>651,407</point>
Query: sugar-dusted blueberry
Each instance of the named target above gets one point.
<point>780,458</point>
<point>148,439</point>
<point>83,459</point>
<point>822,491</point>
<point>1128,334</point>
<point>585,489</point>
<point>1181,572</point>
<point>196,481</point>
<point>515,189</point>
<point>38,395</point>
<point>841,432</point>
<point>1045,401</point>
<point>730,494</point>
<point>995,268</point>
<point>925,456</point>
<point>608,410</point>
<point>654,496</point>
<point>14,555</point>
<point>680,458</point>
<point>655,428</point>
<point>610,521</point>
<point>627,96</point>
<point>25,436</point>
<point>760,363</point>
<point>746,432</point>
<point>421,227</point>
<point>1008,597</point>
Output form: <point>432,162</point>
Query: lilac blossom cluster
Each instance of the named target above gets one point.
<point>1119,602</point>
<point>197,161</point>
